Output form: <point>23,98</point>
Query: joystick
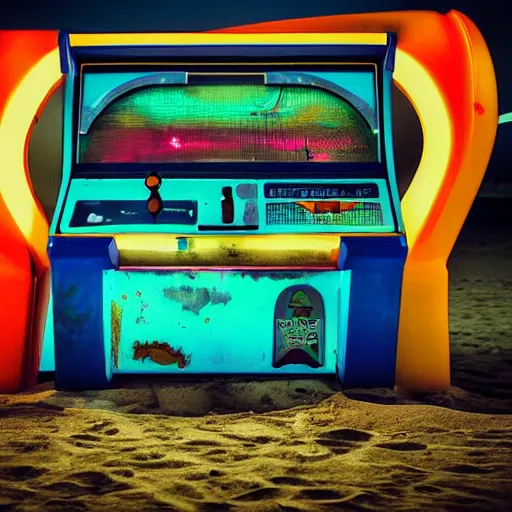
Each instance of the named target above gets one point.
<point>155,204</point>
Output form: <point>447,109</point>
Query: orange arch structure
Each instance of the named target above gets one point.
<point>444,68</point>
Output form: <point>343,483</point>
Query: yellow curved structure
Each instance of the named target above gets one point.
<point>444,68</point>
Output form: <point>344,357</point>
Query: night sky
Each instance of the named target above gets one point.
<point>493,17</point>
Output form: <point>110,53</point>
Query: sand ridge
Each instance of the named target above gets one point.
<point>341,454</point>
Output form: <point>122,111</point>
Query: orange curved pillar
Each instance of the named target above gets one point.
<point>444,67</point>
<point>23,260</point>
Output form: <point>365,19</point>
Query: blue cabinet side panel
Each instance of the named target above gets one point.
<point>376,265</point>
<point>77,273</point>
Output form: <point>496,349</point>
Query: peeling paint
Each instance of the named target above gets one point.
<point>160,352</point>
<point>251,213</point>
<point>231,251</point>
<point>73,313</point>
<point>276,275</point>
<point>115,327</point>
<point>195,299</point>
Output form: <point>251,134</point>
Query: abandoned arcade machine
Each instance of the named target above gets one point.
<point>229,203</point>
<point>228,209</point>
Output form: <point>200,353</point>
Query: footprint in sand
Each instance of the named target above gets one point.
<point>403,476</point>
<point>111,432</point>
<point>151,461</point>
<point>201,443</point>
<point>127,473</point>
<point>21,473</point>
<point>366,501</point>
<point>291,480</point>
<point>252,439</point>
<point>85,437</point>
<point>319,494</point>
<point>28,447</point>
<point>128,449</point>
<point>476,453</point>
<point>428,489</point>
<point>404,446</point>
<point>88,446</point>
<point>104,428</point>
<point>489,443</point>
<point>65,505</point>
<point>341,441</point>
<point>493,435</point>
<point>86,483</point>
<point>185,490</point>
<point>99,426</point>
<point>39,410</point>
<point>154,460</point>
<point>12,497</point>
<point>467,469</point>
<point>220,455</point>
<point>391,489</point>
<point>264,493</point>
<point>216,451</point>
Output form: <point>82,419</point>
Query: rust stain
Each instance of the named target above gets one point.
<point>278,275</point>
<point>116,314</point>
<point>160,352</point>
<point>195,299</point>
<point>231,251</point>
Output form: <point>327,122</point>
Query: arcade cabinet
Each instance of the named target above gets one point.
<point>227,209</point>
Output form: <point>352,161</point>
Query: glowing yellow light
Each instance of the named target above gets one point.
<point>424,94</point>
<point>15,127</point>
<point>208,38</point>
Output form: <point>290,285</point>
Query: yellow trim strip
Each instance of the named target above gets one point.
<point>149,237</point>
<point>224,39</point>
<point>222,64</point>
<point>271,250</point>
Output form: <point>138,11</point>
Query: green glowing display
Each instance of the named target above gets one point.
<point>229,123</point>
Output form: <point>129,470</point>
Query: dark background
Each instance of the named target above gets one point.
<point>493,17</point>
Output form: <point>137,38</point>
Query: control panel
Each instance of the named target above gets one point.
<point>221,206</point>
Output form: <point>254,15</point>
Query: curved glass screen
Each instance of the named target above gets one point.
<point>228,123</point>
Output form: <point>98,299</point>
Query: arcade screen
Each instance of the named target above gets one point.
<point>278,117</point>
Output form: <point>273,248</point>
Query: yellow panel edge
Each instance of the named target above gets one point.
<point>187,38</point>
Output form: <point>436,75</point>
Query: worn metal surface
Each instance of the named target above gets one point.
<point>211,322</point>
<point>162,250</point>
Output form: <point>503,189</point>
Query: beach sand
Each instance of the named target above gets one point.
<point>283,445</point>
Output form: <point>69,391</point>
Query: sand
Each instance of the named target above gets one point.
<point>283,445</point>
